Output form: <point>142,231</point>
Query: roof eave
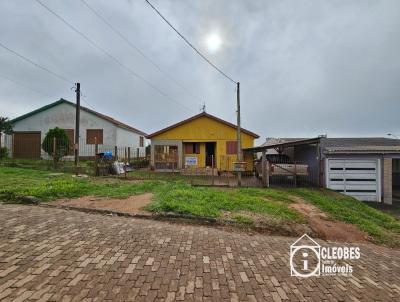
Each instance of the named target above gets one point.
<point>195,117</point>
<point>98,114</point>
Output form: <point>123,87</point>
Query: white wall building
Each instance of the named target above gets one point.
<point>30,130</point>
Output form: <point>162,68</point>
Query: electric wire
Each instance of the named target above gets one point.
<point>118,62</point>
<point>23,85</point>
<point>138,50</point>
<point>190,44</point>
<point>30,61</point>
<point>35,64</point>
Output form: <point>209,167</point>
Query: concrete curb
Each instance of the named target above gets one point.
<point>155,216</point>
<point>173,217</point>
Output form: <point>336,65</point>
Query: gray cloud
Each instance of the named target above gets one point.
<point>305,67</point>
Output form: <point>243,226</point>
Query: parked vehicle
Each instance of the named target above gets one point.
<point>281,165</point>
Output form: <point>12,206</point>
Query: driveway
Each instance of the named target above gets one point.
<point>51,254</point>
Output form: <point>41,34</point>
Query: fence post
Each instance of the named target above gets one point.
<point>171,163</point>
<point>263,174</point>
<point>96,163</point>
<point>229,170</point>
<point>54,152</point>
<point>212,169</point>
<point>137,152</point>
<point>129,155</point>
<point>125,162</point>
<point>267,174</point>
<point>295,174</point>
<point>116,153</point>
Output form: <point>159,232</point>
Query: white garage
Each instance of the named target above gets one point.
<point>360,178</point>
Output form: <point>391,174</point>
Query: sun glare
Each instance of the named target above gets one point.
<point>214,42</point>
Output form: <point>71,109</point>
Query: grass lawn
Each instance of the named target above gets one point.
<point>383,227</point>
<point>47,186</point>
<point>179,197</point>
<point>85,166</point>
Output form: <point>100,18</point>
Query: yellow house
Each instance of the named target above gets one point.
<point>198,142</point>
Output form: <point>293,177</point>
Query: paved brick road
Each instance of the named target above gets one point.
<point>53,255</point>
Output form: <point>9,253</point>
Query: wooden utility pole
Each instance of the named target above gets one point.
<point>239,141</point>
<point>77,122</point>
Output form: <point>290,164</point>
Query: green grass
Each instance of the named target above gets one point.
<point>211,202</point>
<point>242,219</point>
<point>85,166</point>
<point>382,227</point>
<point>179,197</point>
<point>17,182</point>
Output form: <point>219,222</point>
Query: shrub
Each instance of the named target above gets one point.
<point>62,143</point>
<point>3,152</point>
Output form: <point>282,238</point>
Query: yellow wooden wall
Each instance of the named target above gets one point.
<point>201,157</point>
<point>205,129</point>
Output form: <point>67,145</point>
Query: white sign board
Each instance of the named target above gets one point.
<point>239,166</point>
<point>190,160</point>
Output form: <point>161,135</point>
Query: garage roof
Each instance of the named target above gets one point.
<point>359,142</point>
<point>292,143</point>
<point>338,145</point>
<point>363,149</point>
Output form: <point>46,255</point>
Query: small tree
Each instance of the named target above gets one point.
<point>62,143</point>
<point>5,126</point>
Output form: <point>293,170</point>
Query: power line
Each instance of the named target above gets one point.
<point>83,98</point>
<point>189,43</point>
<point>87,103</point>
<point>38,66</point>
<point>35,64</point>
<point>133,46</point>
<point>91,42</point>
<point>23,85</point>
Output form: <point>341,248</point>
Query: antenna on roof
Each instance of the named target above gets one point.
<point>203,108</point>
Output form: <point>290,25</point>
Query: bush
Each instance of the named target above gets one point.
<point>3,152</point>
<point>139,163</point>
<point>62,143</point>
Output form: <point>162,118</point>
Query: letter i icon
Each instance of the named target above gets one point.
<point>305,261</point>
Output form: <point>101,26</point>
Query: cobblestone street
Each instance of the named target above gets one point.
<point>51,254</point>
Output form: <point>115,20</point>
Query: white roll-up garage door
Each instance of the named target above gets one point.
<point>359,178</point>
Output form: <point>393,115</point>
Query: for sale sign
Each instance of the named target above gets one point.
<point>191,161</point>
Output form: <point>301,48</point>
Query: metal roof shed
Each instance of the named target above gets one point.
<point>311,156</point>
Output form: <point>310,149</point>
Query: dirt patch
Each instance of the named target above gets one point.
<point>267,224</point>
<point>132,205</point>
<point>327,228</point>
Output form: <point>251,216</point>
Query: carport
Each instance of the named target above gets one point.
<point>301,152</point>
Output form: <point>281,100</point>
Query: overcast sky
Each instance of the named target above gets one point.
<point>305,67</point>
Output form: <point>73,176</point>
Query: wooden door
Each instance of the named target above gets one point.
<point>26,144</point>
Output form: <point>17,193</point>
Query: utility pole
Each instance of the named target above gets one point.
<point>239,141</point>
<point>77,120</point>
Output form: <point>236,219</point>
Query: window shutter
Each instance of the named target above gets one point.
<point>91,134</point>
<point>231,147</point>
<point>188,148</point>
<point>196,147</point>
